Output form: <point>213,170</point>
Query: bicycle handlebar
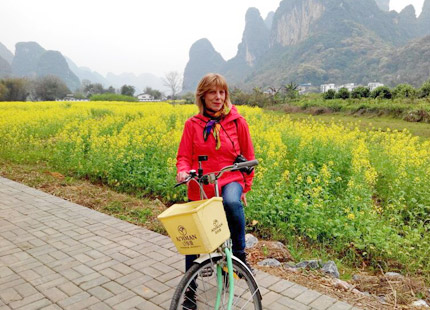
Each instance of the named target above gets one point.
<point>217,175</point>
<point>245,164</point>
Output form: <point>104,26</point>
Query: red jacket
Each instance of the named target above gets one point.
<point>235,140</point>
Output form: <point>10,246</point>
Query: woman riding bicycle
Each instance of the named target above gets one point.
<point>221,133</point>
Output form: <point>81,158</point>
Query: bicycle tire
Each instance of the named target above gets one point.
<point>247,295</point>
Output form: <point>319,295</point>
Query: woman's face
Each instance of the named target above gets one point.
<point>214,99</point>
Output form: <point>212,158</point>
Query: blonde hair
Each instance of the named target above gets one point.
<point>207,83</point>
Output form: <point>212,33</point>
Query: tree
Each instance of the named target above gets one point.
<point>404,91</point>
<point>156,94</point>
<point>342,93</point>
<point>238,97</point>
<point>275,95</point>
<point>189,97</point>
<point>360,92</point>
<point>173,80</point>
<point>17,89</point>
<point>382,92</point>
<point>330,94</point>
<point>111,90</point>
<point>258,98</point>
<point>291,90</point>
<point>91,89</point>
<point>425,89</point>
<point>127,90</point>
<point>50,88</point>
<point>3,91</point>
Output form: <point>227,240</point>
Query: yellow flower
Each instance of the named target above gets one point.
<point>351,216</point>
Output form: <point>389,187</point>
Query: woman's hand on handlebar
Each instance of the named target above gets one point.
<point>181,176</point>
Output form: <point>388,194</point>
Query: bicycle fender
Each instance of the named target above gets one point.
<point>252,276</point>
<point>205,257</point>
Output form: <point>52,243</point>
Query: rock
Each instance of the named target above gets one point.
<point>355,291</point>
<point>315,264</point>
<point>289,267</point>
<point>312,264</point>
<point>331,269</point>
<point>278,245</point>
<point>203,58</point>
<point>356,277</point>
<point>382,300</point>
<point>342,285</point>
<point>250,241</point>
<point>269,262</point>
<point>294,270</point>
<point>420,303</point>
<point>301,265</point>
<point>393,275</point>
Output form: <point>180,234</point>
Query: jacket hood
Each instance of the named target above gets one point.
<point>230,117</point>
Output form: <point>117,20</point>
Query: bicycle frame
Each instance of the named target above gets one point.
<point>212,178</point>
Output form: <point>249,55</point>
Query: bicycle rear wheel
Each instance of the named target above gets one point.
<point>201,282</point>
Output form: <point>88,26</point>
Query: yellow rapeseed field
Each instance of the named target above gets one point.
<point>363,194</point>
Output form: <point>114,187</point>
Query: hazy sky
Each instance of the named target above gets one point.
<point>136,36</point>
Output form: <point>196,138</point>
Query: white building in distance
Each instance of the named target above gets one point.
<point>349,86</point>
<point>145,97</point>
<point>374,85</point>
<point>326,87</point>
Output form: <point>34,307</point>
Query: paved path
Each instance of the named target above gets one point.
<point>55,254</point>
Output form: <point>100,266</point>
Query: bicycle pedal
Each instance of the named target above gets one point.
<point>235,275</point>
<point>207,272</point>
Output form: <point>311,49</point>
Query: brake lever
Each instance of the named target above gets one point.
<point>183,182</point>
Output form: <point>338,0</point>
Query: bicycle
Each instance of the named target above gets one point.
<point>217,280</point>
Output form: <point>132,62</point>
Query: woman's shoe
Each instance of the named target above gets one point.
<point>242,257</point>
<point>190,302</point>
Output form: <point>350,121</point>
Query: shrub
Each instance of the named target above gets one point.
<point>330,94</point>
<point>3,91</point>
<point>188,98</point>
<point>425,89</point>
<point>404,91</point>
<point>360,92</point>
<point>112,97</point>
<point>14,89</point>
<point>238,97</point>
<point>382,92</point>
<point>342,93</point>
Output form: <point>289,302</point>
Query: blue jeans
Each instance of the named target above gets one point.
<point>233,208</point>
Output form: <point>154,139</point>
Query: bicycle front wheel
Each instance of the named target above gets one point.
<point>198,288</point>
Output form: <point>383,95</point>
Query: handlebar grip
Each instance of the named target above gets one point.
<point>179,184</point>
<point>249,163</point>
<point>183,182</point>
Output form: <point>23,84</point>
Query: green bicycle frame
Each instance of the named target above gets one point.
<point>230,282</point>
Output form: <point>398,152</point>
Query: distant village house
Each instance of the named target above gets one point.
<point>374,85</point>
<point>350,86</point>
<point>325,87</point>
<point>304,88</point>
<point>71,97</point>
<point>145,97</point>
